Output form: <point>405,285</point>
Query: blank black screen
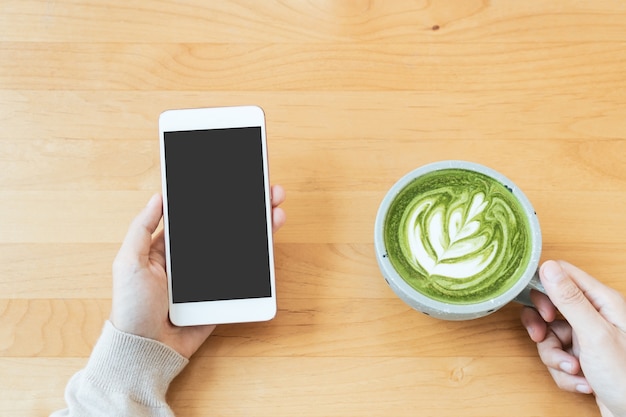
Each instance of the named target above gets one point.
<point>217,214</point>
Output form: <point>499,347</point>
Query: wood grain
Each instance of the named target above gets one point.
<point>242,21</point>
<point>356,94</point>
<point>339,67</point>
<point>321,386</point>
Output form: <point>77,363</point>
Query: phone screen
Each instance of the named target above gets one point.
<point>218,231</point>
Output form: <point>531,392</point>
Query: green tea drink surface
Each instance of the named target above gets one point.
<point>458,236</point>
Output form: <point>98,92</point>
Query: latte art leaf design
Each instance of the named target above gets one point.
<point>449,243</point>
<point>460,238</point>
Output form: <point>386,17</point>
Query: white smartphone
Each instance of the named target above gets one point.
<point>217,215</point>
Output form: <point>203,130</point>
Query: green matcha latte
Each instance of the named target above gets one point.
<point>458,236</point>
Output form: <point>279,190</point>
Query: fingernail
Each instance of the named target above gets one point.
<point>566,367</point>
<point>552,271</point>
<point>584,389</point>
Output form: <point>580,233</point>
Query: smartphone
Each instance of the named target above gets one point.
<point>217,215</point>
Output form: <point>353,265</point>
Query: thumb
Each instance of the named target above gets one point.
<point>139,236</point>
<point>569,298</point>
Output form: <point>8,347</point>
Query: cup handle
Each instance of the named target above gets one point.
<point>533,284</point>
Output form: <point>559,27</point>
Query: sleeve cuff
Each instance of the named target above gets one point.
<point>139,367</point>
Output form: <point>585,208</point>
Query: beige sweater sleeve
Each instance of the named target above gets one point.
<point>126,375</point>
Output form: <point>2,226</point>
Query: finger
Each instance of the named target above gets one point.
<point>544,306</point>
<point>571,383</point>
<point>570,300</point>
<point>552,353</point>
<point>534,324</point>
<point>158,247</point>
<point>277,195</point>
<point>563,367</point>
<point>563,331</point>
<point>607,301</point>
<point>158,241</point>
<point>278,218</point>
<point>139,236</point>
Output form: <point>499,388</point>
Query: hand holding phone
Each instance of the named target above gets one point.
<point>217,215</point>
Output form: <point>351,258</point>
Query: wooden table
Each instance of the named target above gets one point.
<point>356,94</point>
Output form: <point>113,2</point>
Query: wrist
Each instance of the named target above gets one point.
<point>140,367</point>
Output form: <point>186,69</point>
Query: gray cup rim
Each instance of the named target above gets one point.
<point>437,308</point>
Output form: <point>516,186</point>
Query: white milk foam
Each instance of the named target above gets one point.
<point>455,249</point>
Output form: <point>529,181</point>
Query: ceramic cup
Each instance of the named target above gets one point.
<point>457,240</point>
